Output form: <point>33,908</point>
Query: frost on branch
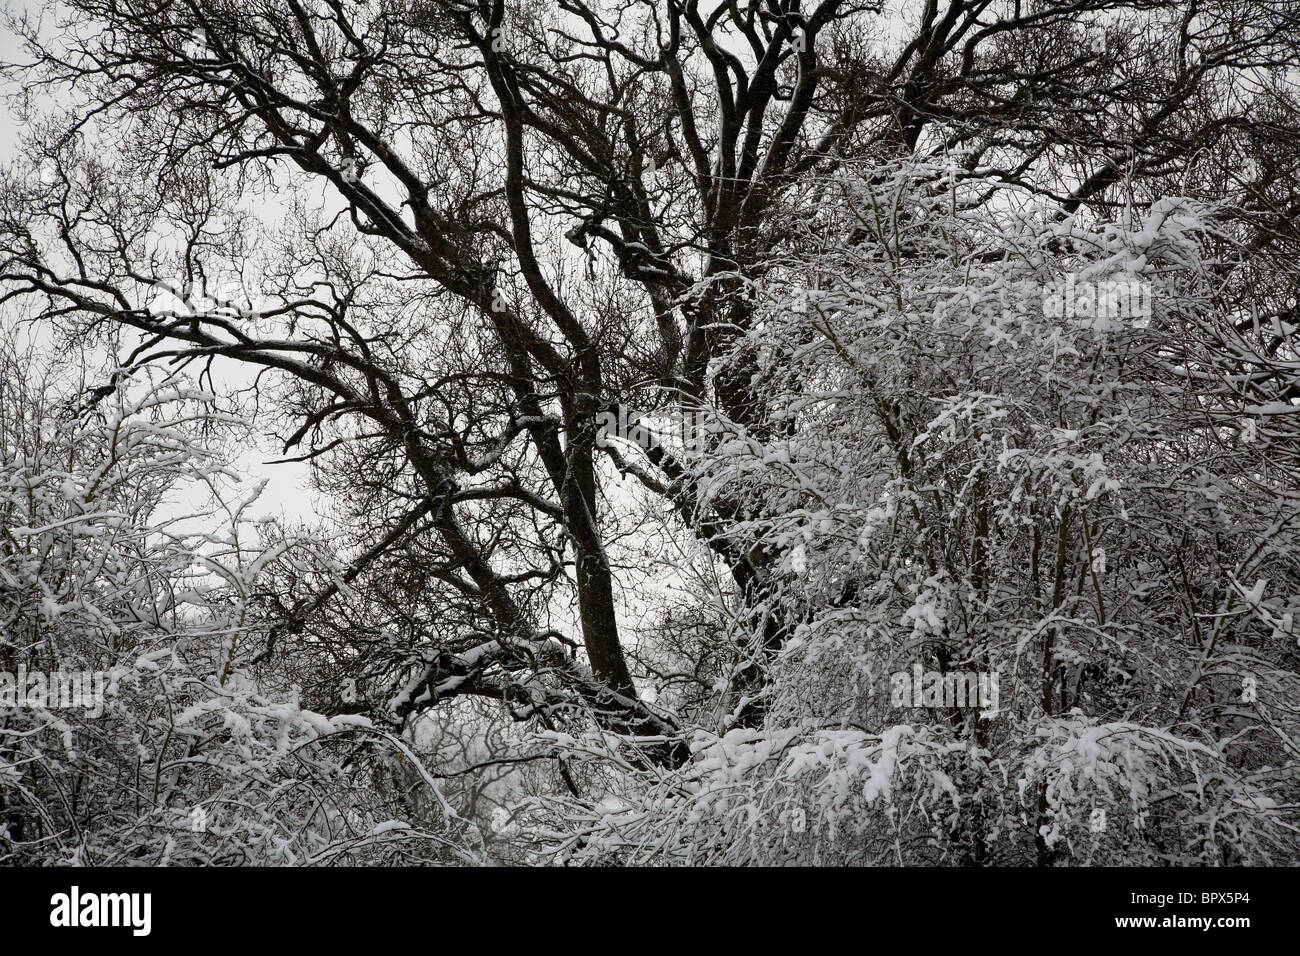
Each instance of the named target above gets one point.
<point>179,751</point>
<point>963,477</point>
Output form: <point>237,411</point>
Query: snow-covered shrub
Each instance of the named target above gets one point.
<point>955,473</point>
<point>126,553</point>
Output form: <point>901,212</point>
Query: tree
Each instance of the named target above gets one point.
<point>462,232</point>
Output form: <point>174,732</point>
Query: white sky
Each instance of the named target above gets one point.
<point>288,491</point>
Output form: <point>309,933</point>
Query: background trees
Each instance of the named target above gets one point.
<point>176,753</point>
<point>446,236</point>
